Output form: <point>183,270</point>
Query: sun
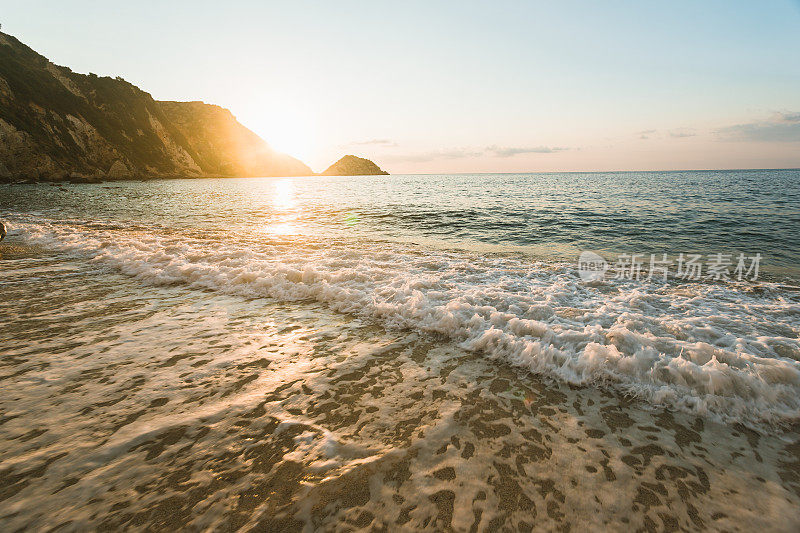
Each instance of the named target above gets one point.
<point>288,129</point>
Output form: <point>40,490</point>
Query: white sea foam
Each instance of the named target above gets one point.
<point>718,350</point>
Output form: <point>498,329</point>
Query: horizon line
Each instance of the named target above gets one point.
<point>579,171</point>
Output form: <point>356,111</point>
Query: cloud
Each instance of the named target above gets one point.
<point>676,134</point>
<point>492,151</point>
<point>423,157</point>
<point>498,151</point>
<point>385,143</point>
<point>682,133</point>
<point>373,142</point>
<point>780,127</point>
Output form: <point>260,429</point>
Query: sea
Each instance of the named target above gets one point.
<point>554,351</point>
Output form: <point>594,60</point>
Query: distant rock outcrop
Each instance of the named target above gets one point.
<point>351,165</point>
<point>56,124</point>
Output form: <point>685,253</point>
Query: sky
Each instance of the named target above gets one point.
<point>441,87</point>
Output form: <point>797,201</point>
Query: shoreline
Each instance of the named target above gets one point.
<point>317,418</point>
<point>178,363</point>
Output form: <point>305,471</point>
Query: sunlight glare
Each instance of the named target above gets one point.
<point>284,228</point>
<point>288,128</point>
<point>284,195</point>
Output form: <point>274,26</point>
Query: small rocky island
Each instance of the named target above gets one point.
<point>351,165</point>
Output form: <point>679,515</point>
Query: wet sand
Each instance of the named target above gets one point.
<point>157,408</point>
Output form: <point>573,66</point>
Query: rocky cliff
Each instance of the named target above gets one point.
<point>351,165</point>
<point>55,123</point>
<point>224,146</point>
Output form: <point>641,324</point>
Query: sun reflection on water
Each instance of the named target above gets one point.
<point>284,195</point>
<point>282,228</point>
<point>285,203</point>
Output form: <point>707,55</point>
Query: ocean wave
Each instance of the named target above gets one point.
<point>723,351</point>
